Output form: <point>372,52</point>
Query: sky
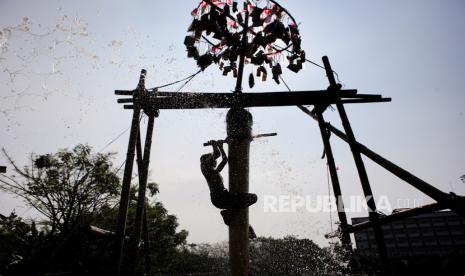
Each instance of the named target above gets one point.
<point>60,62</point>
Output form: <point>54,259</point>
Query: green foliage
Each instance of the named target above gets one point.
<point>82,252</point>
<point>19,243</point>
<point>74,189</point>
<point>165,241</point>
<point>64,186</point>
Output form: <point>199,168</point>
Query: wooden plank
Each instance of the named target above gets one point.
<point>354,101</point>
<point>228,100</point>
<point>344,93</point>
<point>124,92</point>
<point>172,103</point>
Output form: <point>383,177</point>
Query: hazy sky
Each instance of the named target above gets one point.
<point>60,66</point>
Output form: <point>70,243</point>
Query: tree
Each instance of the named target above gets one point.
<point>74,189</point>
<point>64,186</point>
<point>166,242</point>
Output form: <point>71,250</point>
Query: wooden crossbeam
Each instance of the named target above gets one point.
<point>344,92</point>
<point>349,93</point>
<point>170,100</point>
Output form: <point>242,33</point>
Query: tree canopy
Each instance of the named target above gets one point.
<point>65,185</point>
<point>75,189</point>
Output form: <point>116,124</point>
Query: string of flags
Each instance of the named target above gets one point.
<point>272,33</point>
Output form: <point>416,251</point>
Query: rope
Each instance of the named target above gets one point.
<point>120,167</point>
<point>114,140</point>
<point>327,167</point>
<point>322,67</point>
<point>301,107</point>
<point>314,63</point>
<point>285,83</point>
<point>329,197</point>
<point>188,80</point>
<point>175,82</point>
<point>117,137</point>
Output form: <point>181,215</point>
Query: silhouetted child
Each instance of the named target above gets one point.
<point>220,197</point>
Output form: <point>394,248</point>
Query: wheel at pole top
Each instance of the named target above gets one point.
<point>273,37</point>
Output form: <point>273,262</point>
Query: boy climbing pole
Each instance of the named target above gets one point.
<point>220,196</point>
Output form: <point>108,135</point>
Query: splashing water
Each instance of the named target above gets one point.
<point>31,58</point>
<point>38,61</point>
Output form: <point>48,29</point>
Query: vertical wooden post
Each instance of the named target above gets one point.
<point>126,185</point>
<point>372,212</point>
<point>239,130</point>
<point>345,237</point>
<point>145,231</point>
<point>143,176</point>
<point>240,73</point>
